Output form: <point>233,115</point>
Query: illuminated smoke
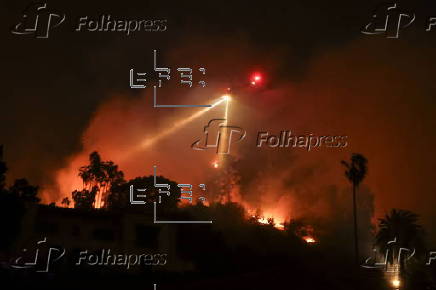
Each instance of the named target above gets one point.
<point>177,125</point>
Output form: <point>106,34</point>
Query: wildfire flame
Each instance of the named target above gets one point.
<point>262,220</point>
<point>273,212</point>
<point>269,221</point>
<point>309,240</point>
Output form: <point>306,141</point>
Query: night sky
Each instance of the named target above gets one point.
<point>69,95</point>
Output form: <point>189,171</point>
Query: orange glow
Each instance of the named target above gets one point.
<point>309,240</point>
<point>274,199</point>
<point>262,220</point>
<point>266,221</point>
<point>396,283</point>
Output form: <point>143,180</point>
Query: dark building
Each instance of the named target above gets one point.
<point>122,233</point>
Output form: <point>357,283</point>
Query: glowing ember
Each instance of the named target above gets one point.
<point>269,221</point>
<point>262,221</point>
<point>280,227</point>
<point>309,240</point>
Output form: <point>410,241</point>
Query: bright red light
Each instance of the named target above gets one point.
<point>255,79</point>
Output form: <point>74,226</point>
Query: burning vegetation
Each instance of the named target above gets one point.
<point>104,187</point>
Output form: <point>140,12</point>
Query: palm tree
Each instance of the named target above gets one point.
<point>355,172</point>
<point>401,226</point>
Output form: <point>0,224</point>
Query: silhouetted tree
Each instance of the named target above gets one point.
<point>402,226</point>
<point>24,190</point>
<point>66,202</point>
<point>355,172</point>
<point>101,175</point>
<point>12,210</point>
<point>84,199</point>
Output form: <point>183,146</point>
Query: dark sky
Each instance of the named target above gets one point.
<point>321,70</point>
